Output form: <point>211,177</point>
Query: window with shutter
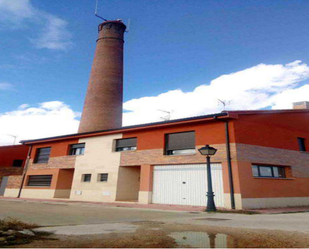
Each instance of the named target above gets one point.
<point>86,177</point>
<point>40,180</point>
<point>182,143</point>
<point>42,155</point>
<point>126,144</point>
<point>77,149</point>
<point>103,177</point>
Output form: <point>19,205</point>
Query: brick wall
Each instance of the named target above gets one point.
<point>14,181</point>
<point>299,161</point>
<point>7,171</point>
<point>157,157</point>
<point>61,162</point>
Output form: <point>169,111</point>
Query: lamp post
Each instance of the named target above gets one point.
<point>209,151</point>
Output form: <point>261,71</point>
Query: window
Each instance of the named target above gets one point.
<point>77,149</point>
<point>42,155</point>
<point>180,143</point>
<point>40,180</point>
<point>86,178</point>
<point>126,144</point>
<point>103,177</point>
<point>268,171</point>
<point>18,163</point>
<point>301,144</point>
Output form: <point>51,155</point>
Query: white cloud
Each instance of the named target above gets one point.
<point>45,120</point>
<point>5,86</point>
<point>53,32</point>
<point>55,35</point>
<point>261,86</point>
<point>257,87</point>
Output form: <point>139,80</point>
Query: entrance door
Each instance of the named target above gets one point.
<point>186,184</point>
<point>3,184</point>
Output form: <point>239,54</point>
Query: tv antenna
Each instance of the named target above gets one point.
<point>96,11</point>
<point>128,26</point>
<point>168,116</point>
<point>224,103</point>
<point>14,136</point>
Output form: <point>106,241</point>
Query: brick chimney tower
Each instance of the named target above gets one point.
<point>103,103</point>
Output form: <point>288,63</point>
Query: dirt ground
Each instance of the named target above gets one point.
<point>161,235</point>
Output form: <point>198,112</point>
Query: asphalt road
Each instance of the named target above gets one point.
<point>66,214</point>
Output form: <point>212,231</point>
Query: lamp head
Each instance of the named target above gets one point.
<point>207,150</point>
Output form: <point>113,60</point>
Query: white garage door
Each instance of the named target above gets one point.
<point>186,184</point>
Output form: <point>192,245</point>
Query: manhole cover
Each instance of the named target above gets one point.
<point>213,219</point>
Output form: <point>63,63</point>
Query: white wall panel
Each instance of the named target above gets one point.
<point>186,184</point>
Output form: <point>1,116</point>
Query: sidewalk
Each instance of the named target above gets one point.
<point>166,207</point>
<point>117,204</point>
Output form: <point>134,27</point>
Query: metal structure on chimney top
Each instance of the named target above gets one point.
<point>96,11</point>
<point>102,18</point>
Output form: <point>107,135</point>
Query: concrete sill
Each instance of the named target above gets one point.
<point>126,151</point>
<point>273,178</point>
<point>35,187</point>
<point>179,155</point>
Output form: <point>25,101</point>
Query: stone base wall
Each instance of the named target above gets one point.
<point>11,192</point>
<point>257,203</point>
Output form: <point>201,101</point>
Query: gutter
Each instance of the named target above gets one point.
<point>25,172</point>
<point>229,160</point>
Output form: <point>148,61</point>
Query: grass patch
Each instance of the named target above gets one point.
<point>10,232</point>
<point>15,224</point>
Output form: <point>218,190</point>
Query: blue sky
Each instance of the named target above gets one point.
<point>171,45</point>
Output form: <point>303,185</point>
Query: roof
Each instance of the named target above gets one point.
<point>132,128</point>
<point>223,115</point>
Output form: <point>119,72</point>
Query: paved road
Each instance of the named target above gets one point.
<point>66,214</point>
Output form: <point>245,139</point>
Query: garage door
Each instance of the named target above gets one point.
<point>186,184</point>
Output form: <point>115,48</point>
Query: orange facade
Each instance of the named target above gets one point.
<point>272,130</point>
<point>211,132</point>
<point>58,148</point>
<point>10,153</point>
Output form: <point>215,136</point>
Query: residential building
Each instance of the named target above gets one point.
<point>160,163</point>
<point>12,161</point>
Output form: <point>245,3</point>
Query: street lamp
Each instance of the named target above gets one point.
<point>209,151</point>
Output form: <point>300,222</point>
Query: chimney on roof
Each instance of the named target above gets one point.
<point>103,102</point>
<point>301,105</point>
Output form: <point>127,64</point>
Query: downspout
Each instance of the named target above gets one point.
<point>25,172</point>
<point>229,162</point>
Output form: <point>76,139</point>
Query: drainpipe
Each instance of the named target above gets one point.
<point>229,162</point>
<point>25,172</point>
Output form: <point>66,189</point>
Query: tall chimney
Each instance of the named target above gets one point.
<point>103,103</point>
<point>301,105</point>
